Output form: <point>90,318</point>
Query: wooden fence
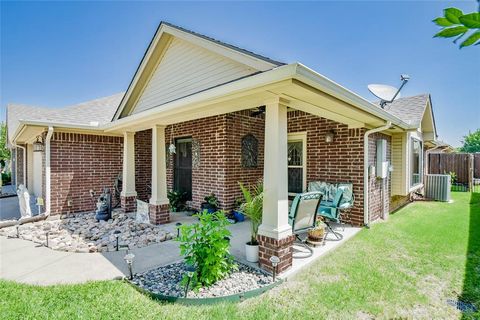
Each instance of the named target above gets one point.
<point>465,165</point>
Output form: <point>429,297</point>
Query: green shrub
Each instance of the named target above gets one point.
<point>176,200</point>
<point>6,178</point>
<point>205,246</point>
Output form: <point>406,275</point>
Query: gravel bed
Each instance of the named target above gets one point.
<point>82,233</point>
<point>165,280</point>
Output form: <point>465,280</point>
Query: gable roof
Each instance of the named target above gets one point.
<point>90,113</point>
<point>160,43</point>
<point>409,109</point>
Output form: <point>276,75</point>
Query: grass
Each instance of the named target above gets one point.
<point>405,268</point>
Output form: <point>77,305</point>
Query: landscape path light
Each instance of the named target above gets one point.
<point>129,260</point>
<point>274,260</point>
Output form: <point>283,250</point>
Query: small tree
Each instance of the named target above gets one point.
<point>471,142</point>
<point>456,24</point>
<point>4,151</point>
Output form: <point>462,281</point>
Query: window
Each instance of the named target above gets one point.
<point>296,157</point>
<point>415,162</point>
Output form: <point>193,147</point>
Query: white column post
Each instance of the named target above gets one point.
<point>128,182</point>
<point>159,167</point>
<point>275,203</point>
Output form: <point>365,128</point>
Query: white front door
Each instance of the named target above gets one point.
<point>297,163</point>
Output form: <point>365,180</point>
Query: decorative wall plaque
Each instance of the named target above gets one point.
<point>195,154</point>
<point>249,151</point>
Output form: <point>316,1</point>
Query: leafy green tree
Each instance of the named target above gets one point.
<point>4,151</point>
<point>471,142</point>
<point>456,24</point>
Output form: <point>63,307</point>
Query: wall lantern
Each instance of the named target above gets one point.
<point>329,136</point>
<point>38,145</point>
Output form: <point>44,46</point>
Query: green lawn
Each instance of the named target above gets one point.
<point>406,268</point>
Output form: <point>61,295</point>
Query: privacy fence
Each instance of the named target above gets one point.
<point>463,167</point>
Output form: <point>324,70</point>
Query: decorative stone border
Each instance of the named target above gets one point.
<point>238,297</point>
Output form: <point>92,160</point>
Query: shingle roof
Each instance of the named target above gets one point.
<point>250,53</point>
<point>409,109</point>
<point>94,111</point>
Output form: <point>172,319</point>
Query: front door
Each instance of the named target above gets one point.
<point>183,167</point>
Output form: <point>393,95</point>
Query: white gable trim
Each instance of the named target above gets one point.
<point>168,31</point>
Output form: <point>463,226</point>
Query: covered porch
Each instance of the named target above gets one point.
<point>329,131</point>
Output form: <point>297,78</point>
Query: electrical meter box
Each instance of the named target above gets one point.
<point>382,163</point>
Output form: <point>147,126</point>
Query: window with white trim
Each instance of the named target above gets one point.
<point>297,166</point>
<point>416,162</point>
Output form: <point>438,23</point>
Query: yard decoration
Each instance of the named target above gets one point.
<point>253,209</point>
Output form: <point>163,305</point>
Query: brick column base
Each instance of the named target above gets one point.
<point>128,204</point>
<point>159,213</point>
<point>272,247</point>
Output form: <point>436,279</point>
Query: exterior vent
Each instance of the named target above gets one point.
<point>437,187</point>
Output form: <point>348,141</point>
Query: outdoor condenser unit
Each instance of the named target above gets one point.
<point>437,187</point>
<point>382,163</point>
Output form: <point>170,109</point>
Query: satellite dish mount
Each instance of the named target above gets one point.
<point>387,94</point>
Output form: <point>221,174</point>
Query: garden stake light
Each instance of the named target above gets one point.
<point>129,260</point>
<point>46,237</point>
<point>116,233</point>
<point>274,260</point>
<point>178,224</point>
<point>190,273</point>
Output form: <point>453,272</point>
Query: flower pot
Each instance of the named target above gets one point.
<point>207,206</point>
<point>251,252</point>
<point>238,216</point>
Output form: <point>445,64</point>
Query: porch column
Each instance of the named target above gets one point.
<point>158,207</point>
<point>275,234</point>
<point>128,196</point>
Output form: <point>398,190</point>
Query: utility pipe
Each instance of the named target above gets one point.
<point>47,171</point>
<point>366,216</point>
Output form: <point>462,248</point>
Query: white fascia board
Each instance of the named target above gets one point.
<point>326,85</point>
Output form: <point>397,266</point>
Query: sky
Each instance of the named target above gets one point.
<point>56,54</point>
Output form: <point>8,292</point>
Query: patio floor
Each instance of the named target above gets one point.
<point>46,266</point>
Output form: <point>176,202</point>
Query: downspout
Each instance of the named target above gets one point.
<point>47,171</point>
<point>366,216</point>
<point>24,165</point>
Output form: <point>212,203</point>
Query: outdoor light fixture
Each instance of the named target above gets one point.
<point>329,136</point>
<point>274,260</point>
<point>38,145</point>
<point>46,237</point>
<point>116,233</point>
<point>18,232</point>
<point>190,273</point>
<point>178,224</point>
<point>129,260</point>
<point>172,149</point>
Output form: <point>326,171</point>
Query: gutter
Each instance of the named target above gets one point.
<point>48,171</point>
<point>366,214</point>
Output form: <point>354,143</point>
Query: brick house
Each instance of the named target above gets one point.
<point>218,103</point>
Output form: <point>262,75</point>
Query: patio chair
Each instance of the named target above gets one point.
<point>330,210</point>
<point>303,216</point>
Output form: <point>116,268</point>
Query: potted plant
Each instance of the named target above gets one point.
<point>176,199</point>
<point>237,211</point>
<point>211,203</point>
<point>253,209</point>
<point>316,235</point>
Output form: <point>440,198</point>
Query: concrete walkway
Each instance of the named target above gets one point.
<point>27,262</point>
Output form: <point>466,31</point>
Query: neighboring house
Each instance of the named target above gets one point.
<point>228,111</point>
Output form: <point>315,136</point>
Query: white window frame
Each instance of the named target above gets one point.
<point>295,137</point>
<point>420,165</point>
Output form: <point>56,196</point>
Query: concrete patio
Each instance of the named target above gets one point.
<point>27,262</point>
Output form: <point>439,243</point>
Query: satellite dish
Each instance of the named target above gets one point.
<point>385,93</point>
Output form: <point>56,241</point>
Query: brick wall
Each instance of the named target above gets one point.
<point>143,164</point>
<point>80,162</point>
<point>339,161</point>
<point>20,179</point>
<point>379,190</point>
<point>210,176</point>
<point>239,125</point>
